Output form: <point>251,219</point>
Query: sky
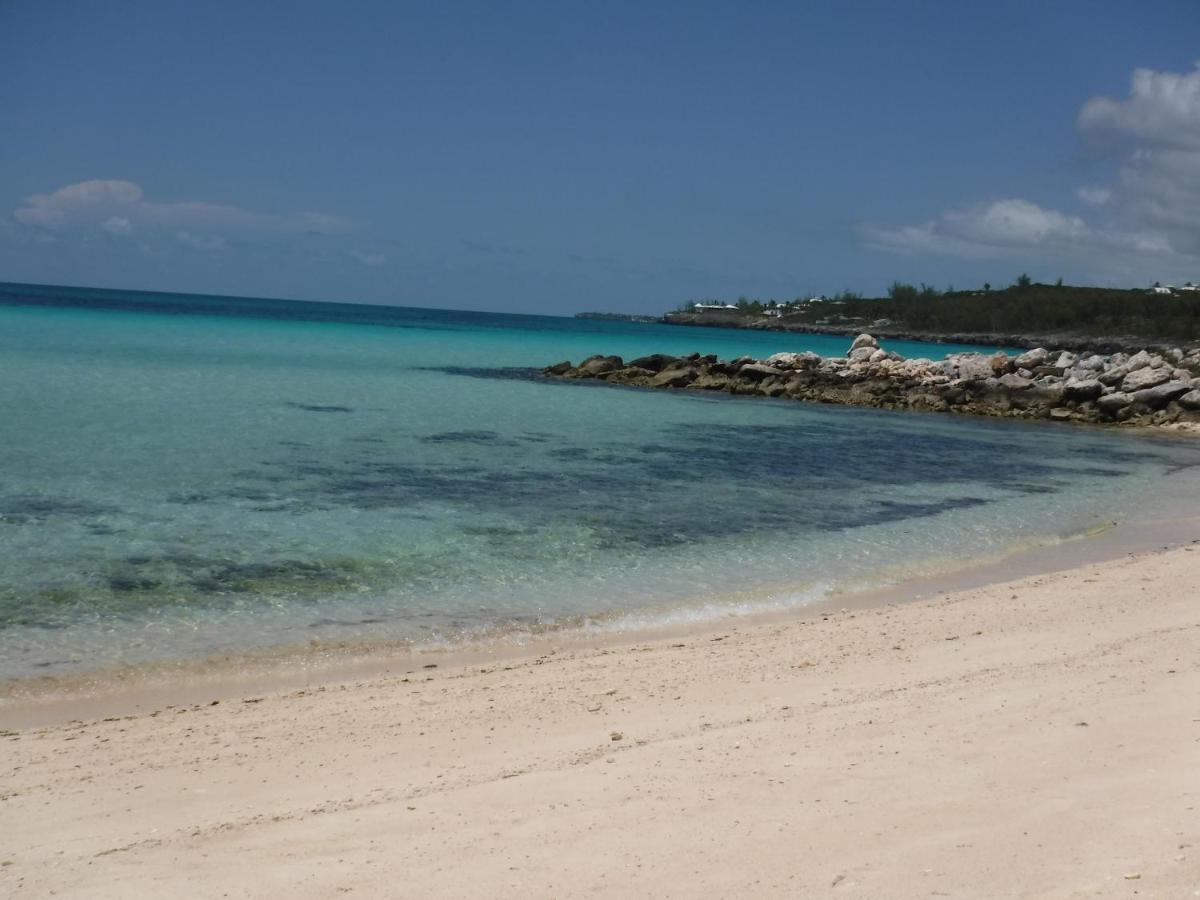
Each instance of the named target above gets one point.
<point>561,156</point>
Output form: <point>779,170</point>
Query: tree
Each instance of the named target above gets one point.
<point>901,291</point>
<point>1059,282</point>
<point>1024,281</point>
<point>987,286</point>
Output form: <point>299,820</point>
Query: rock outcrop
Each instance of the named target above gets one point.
<point>1139,389</point>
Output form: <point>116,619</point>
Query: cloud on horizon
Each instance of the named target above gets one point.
<point>1148,219</point>
<point>121,209</point>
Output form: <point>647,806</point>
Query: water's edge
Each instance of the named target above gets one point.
<point>131,691</point>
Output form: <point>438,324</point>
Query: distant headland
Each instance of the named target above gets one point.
<point>1024,314</point>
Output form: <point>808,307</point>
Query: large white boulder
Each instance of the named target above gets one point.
<point>863,340</point>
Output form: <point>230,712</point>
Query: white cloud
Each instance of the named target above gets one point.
<point>992,229</point>
<point>1147,221</point>
<point>119,207</point>
<point>118,225</point>
<point>1163,110</point>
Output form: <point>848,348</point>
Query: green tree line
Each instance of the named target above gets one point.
<point>1026,307</point>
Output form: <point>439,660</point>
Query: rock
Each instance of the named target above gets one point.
<point>1143,389</point>
<point>628,375</point>
<point>597,365</point>
<point>1162,394</point>
<point>788,360</point>
<point>1052,371</point>
<point>1077,390</point>
<point>758,371</point>
<point>1113,376</point>
<point>677,377</point>
<point>1145,377</point>
<point>736,364</point>
<point>1139,360</point>
<point>972,366</point>
<point>1015,382</point>
<point>1110,404</point>
<point>1047,392</point>
<point>863,340</point>
<point>655,362</point>
<point>711,381</point>
<point>1032,359</point>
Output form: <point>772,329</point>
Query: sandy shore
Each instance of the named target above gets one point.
<point>1038,738</point>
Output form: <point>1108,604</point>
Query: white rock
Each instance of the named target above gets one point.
<point>1139,360</point>
<point>1140,379</point>
<point>1032,358</point>
<point>863,340</point>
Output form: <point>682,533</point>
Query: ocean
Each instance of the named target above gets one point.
<point>183,476</point>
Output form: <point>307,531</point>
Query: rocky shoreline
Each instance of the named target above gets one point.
<point>1142,388</point>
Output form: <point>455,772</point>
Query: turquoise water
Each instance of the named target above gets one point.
<point>184,476</point>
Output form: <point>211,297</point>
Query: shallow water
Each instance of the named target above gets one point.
<point>181,476</point>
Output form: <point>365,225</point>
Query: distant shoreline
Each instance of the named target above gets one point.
<point>1066,341</point>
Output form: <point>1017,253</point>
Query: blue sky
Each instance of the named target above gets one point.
<point>556,157</point>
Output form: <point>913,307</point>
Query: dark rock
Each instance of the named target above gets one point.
<point>655,362</point>
<point>1190,400</point>
<point>629,375</point>
<point>597,365</point>
<point>758,371</point>
<point>678,377</point>
<point>711,381</point>
<point>1160,395</point>
<point>1111,404</point>
<point>1077,390</point>
<point>558,368</point>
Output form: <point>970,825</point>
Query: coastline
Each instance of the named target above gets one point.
<point>49,701</point>
<point>1082,343</point>
<point>1042,730</point>
<point>1132,390</point>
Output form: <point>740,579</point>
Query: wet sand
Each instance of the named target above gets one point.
<point>1032,738</point>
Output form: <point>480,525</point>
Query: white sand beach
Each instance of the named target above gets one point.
<point>1038,738</point>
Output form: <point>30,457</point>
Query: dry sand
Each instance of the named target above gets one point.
<point>1039,738</point>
